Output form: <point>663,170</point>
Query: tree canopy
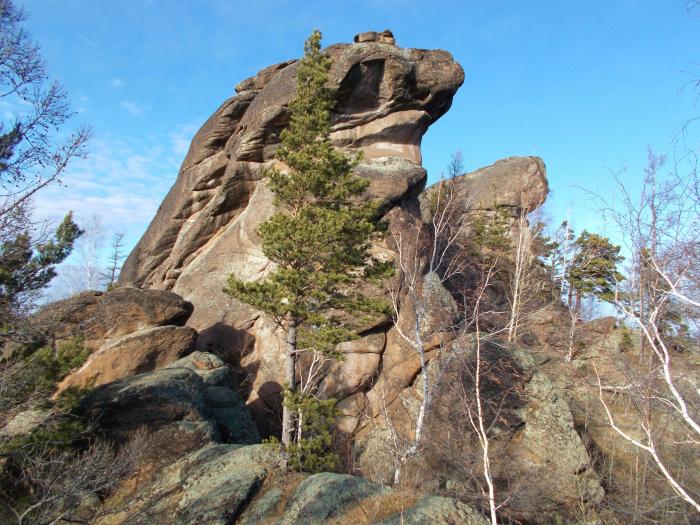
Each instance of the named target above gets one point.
<point>594,266</point>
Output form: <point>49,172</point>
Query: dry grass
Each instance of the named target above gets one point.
<point>377,508</point>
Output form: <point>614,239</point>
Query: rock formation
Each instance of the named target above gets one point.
<point>205,228</point>
<point>387,97</point>
<point>145,325</point>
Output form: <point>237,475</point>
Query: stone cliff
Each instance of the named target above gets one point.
<point>387,97</point>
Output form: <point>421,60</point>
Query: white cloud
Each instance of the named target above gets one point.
<point>132,107</point>
<point>181,139</point>
<point>116,83</point>
<point>123,181</point>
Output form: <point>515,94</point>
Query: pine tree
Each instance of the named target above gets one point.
<point>594,268</point>
<point>111,275</point>
<point>27,266</point>
<point>320,236</point>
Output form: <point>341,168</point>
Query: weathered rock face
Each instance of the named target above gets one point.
<point>386,99</point>
<point>182,407</point>
<point>141,351</point>
<point>128,331</point>
<point>99,316</point>
<point>169,404</point>
<point>515,182</point>
<point>205,229</point>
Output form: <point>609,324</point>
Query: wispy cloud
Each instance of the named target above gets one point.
<point>123,181</point>
<point>132,107</point>
<point>83,102</point>
<point>116,83</point>
<point>86,40</point>
<point>181,139</point>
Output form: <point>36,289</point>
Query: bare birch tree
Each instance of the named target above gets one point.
<point>477,420</point>
<point>527,277</point>
<point>661,227</point>
<point>427,257</point>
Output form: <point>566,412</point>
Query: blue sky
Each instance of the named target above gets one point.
<point>586,85</point>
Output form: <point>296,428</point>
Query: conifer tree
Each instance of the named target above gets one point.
<point>319,237</point>
<point>594,268</point>
<point>27,266</point>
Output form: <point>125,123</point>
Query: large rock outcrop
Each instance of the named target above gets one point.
<point>386,99</point>
<point>205,229</point>
<point>149,376</point>
<point>181,408</point>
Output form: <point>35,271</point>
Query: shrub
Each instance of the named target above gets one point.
<point>314,452</point>
<point>626,343</point>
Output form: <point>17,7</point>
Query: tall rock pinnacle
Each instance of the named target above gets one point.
<point>387,97</point>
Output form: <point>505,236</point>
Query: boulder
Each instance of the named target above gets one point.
<point>324,496</point>
<point>211,486</point>
<point>182,407</point>
<point>385,37</point>
<point>142,351</point>
<point>515,182</point>
<point>97,316</point>
<point>209,367</point>
<point>170,404</point>
<point>216,492</point>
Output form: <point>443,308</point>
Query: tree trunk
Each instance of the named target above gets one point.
<point>425,403</point>
<point>642,308</point>
<point>290,380</point>
<point>577,307</point>
<point>572,333</point>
